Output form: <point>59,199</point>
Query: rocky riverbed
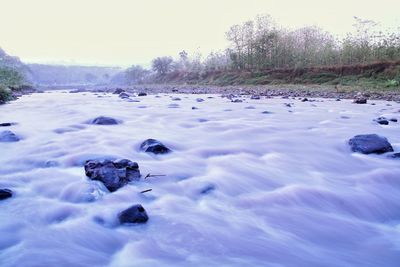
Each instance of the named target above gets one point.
<point>111,178</point>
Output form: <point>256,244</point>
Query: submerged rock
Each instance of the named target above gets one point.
<point>8,136</point>
<point>154,146</point>
<point>102,120</point>
<point>370,143</point>
<point>134,214</point>
<point>395,155</point>
<point>113,174</point>
<point>200,100</point>
<point>5,193</point>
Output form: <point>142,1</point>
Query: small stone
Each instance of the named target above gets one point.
<point>123,95</point>
<point>5,193</point>
<point>382,121</point>
<point>200,100</point>
<point>142,94</point>
<point>393,120</point>
<point>118,91</point>
<point>7,124</point>
<point>102,120</point>
<point>304,99</point>
<point>8,136</point>
<point>360,99</point>
<point>255,97</point>
<point>154,146</point>
<point>134,214</point>
<point>237,101</point>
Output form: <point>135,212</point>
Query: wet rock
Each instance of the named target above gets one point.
<point>113,174</point>
<point>382,121</point>
<point>360,99</point>
<point>200,100</point>
<point>154,146</point>
<point>102,120</point>
<point>255,97</point>
<point>370,143</point>
<point>134,214</point>
<point>123,95</point>
<point>176,99</point>
<point>8,136</point>
<point>142,94</point>
<point>237,101</point>
<point>195,108</point>
<point>5,193</point>
<point>393,120</point>
<point>266,112</point>
<point>395,155</point>
<point>118,91</point>
<point>304,99</point>
<point>7,124</point>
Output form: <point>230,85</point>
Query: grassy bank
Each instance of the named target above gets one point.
<point>380,75</point>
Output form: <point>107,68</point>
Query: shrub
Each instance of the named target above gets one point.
<point>5,94</point>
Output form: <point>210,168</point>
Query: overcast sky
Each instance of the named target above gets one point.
<point>126,32</point>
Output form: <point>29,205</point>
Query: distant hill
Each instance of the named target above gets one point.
<point>59,75</point>
<point>14,63</point>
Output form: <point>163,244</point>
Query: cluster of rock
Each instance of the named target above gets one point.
<point>384,121</point>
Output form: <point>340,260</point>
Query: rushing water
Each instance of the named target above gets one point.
<point>242,187</point>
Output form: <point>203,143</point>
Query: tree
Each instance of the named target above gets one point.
<point>135,74</point>
<point>162,65</point>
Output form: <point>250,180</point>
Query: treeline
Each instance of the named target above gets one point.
<point>12,75</point>
<point>261,45</point>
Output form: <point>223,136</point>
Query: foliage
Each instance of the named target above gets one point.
<point>135,74</point>
<point>5,94</point>
<point>10,78</point>
<point>162,65</point>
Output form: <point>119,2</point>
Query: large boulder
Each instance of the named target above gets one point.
<point>370,143</point>
<point>154,146</point>
<point>103,120</point>
<point>113,174</point>
<point>134,214</point>
<point>5,193</point>
<point>8,136</point>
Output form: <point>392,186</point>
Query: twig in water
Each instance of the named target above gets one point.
<point>153,175</point>
<point>147,190</point>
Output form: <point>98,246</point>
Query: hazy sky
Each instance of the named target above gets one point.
<point>126,32</point>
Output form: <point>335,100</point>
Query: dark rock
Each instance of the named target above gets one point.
<point>118,91</point>
<point>360,99</point>
<point>255,97</point>
<point>304,99</point>
<point>208,189</point>
<point>102,120</point>
<point>382,121</point>
<point>393,120</point>
<point>370,143</point>
<point>266,112</point>
<point>288,105</point>
<point>199,100</point>
<point>8,136</point>
<point>134,214</point>
<point>113,174</point>
<point>176,99</point>
<point>7,124</point>
<point>194,108</point>
<point>154,146</point>
<point>237,101</point>
<point>395,155</point>
<point>5,193</point>
<point>142,94</point>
